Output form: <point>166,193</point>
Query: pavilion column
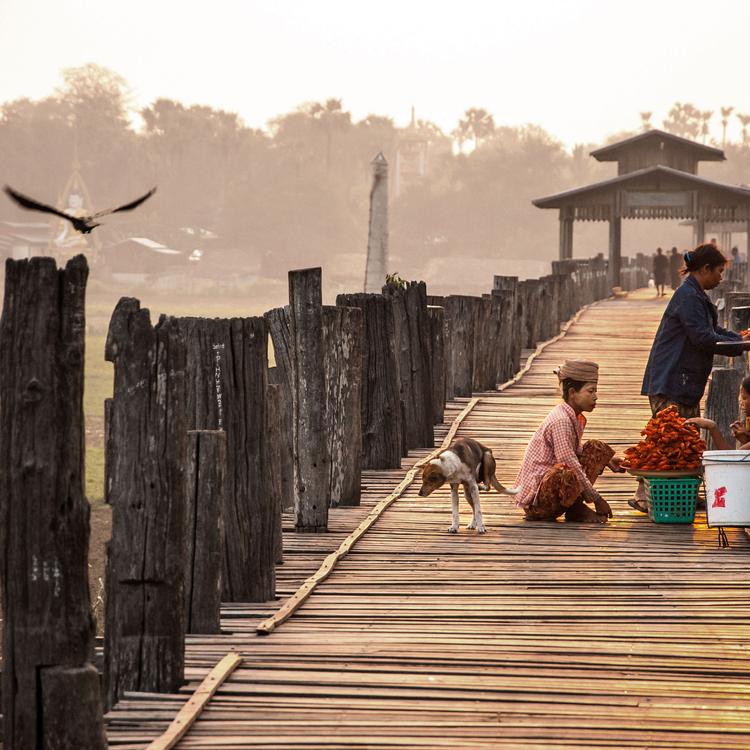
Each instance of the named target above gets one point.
<point>615,232</point>
<point>725,243</point>
<point>747,249</point>
<point>566,234</point>
<point>700,232</point>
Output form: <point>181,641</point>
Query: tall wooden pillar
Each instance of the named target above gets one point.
<point>566,234</point>
<point>700,232</point>
<point>615,236</point>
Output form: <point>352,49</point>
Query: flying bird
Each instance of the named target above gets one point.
<point>83,224</point>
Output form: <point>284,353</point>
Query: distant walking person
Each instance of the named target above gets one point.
<point>675,264</point>
<point>661,267</point>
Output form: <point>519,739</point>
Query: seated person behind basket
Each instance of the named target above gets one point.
<point>557,473</point>
<point>740,429</point>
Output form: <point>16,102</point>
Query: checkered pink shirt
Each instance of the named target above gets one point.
<point>557,441</point>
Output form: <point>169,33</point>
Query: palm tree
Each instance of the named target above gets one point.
<point>745,121</point>
<point>333,117</point>
<point>725,112</point>
<point>646,120</point>
<point>683,120</point>
<point>704,118</point>
<point>478,124</point>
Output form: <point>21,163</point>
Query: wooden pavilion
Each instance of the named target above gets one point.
<point>657,178</point>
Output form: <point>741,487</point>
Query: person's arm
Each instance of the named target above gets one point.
<point>733,335</point>
<point>708,424</point>
<point>700,332</point>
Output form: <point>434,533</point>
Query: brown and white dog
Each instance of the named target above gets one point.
<point>466,462</point>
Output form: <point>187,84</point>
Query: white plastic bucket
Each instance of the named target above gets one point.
<point>727,477</point>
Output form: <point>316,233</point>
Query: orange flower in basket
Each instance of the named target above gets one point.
<point>668,445</point>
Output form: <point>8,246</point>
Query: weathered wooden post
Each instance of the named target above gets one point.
<point>601,280</point>
<point>439,301</point>
<point>377,235</point>
<point>311,458</point>
<point>343,345</point>
<point>515,334</point>
<point>145,613</point>
<point>550,323</point>
<point>204,530</point>
<point>542,323</point>
<point>524,314</point>
<point>273,445</point>
<point>461,312</point>
<point>415,369</point>
<point>108,448</point>
<point>721,401</point>
<point>533,294</point>
<point>227,375</point>
<point>738,319</point>
<point>436,315</point>
<point>483,370</point>
<point>382,436</point>
<point>282,375</point>
<point>44,516</point>
<point>507,334</point>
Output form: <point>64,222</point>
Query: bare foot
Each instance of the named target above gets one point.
<point>581,513</point>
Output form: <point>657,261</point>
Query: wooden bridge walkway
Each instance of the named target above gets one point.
<point>629,635</point>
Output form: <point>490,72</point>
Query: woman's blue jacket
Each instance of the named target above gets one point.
<point>683,350</point>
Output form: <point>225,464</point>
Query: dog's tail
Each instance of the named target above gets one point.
<point>503,490</point>
<point>488,475</point>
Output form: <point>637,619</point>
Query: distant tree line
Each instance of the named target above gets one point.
<point>298,190</point>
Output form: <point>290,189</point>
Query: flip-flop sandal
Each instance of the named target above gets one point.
<point>638,505</point>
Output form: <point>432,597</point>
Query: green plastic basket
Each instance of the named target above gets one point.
<point>672,500</point>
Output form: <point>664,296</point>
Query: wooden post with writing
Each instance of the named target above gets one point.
<point>227,375</point>
<point>44,516</point>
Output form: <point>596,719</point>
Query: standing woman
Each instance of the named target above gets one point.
<point>683,350</point>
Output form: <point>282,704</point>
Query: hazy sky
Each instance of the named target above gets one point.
<point>579,68</point>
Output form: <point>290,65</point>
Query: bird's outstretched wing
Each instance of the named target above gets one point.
<point>32,205</point>
<point>126,207</point>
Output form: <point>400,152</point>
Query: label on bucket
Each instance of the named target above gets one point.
<point>727,477</point>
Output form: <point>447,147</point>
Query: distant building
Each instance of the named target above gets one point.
<point>23,239</point>
<point>657,178</point>
<point>139,260</point>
